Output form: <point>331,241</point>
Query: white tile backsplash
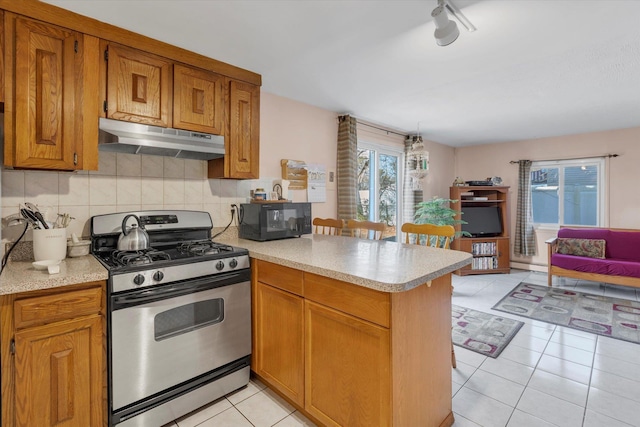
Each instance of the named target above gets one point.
<point>73,189</point>
<point>128,164</point>
<point>195,169</point>
<point>41,188</point>
<point>124,182</point>
<point>173,168</point>
<point>193,191</point>
<point>102,190</point>
<point>128,190</point>
<point>12,189</point>
<point>106,164</point>
<point>152,166</point>
<point>152,190</point>
<point>174,191</point>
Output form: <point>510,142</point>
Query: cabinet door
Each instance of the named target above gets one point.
<point>243,136</point>
<point>347,369</point>
<point>59,374</point>
<point>138,86</point>
<point>198,100</point>
<point>46,86</point>
<point>503,253</point>
<point>279,334</point>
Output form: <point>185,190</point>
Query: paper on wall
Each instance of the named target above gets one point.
<point>316,183</point>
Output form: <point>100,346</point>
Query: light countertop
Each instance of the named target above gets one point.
<point>21,276</point>
<point>381,265</point>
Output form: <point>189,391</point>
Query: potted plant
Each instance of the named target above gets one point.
<point>437,211</point>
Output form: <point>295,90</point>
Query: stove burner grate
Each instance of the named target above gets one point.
<point>203,247</point>
<point>126,258</point>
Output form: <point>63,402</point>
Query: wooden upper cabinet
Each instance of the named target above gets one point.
<point>138,86</point>
<point>40,111</point>
<point>242,139</point>
<point>198,100</point>
<point>50,96</point>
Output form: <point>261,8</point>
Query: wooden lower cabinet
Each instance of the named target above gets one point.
<point>58,372</point>
<point>53,357</point>
<point>370,358</point>
<point>280,325</point>
<point>346,356</point>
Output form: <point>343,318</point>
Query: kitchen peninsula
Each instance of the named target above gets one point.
<point>355,332</point>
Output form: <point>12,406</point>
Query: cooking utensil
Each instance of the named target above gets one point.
<point>30,217</point>
<point>63,220</point>
<point>31,207</point>
<point>134,238</point>
<point>41,219</point>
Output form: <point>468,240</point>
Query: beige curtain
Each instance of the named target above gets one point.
<point>525,239</point>
<point>347,164</point>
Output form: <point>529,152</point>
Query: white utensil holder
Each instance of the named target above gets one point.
<point>49,244</point>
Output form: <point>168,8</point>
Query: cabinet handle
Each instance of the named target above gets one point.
<point>12,346</point>
<point>75,158</point>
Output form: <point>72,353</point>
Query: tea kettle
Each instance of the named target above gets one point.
<point>134,239</point>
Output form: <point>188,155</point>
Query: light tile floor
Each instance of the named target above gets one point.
<point>547,376</point>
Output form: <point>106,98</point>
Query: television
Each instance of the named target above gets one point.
<point>482,221</point>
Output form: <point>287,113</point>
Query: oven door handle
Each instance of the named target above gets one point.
<point>177,289</point>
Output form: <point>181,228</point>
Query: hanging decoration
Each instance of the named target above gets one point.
<point>418,161</point>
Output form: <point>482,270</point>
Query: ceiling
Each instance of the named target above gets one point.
<point>533,69</point>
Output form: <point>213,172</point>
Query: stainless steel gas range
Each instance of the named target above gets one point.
<point>179,316</point>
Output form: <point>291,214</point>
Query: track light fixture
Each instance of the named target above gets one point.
<point>447,30</point>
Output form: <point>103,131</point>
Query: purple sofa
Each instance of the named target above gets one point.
<point>620,265</point>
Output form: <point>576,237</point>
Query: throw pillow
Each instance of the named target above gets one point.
<point>592,248</point>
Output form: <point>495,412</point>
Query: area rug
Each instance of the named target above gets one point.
<point>611,317</point>
<point>482,332</point>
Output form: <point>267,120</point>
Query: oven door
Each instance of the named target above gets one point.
<point>166,335</point>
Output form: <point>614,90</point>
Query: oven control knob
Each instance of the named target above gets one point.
<point>158,276</point>
<point>233,263</point>
<point>138,279</point>
<point>219,265</point>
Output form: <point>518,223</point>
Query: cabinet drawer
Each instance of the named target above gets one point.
<point>61,306</point>
<point>285,278</point>
<point>365,303</point>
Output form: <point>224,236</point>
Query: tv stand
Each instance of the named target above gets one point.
<point>491,254</point>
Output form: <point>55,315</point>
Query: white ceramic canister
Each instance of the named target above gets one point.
<point>49,244</point>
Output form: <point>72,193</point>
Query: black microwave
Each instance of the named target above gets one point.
<point>271,221</point>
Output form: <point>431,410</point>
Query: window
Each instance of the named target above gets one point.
<point>568,192</point>
<point>379,181</point>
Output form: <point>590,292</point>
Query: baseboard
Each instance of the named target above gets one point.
<point>529,267</point>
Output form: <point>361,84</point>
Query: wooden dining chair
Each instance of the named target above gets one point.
<point>366,229</point>
<point>328,226</point>
<point>438,236</point>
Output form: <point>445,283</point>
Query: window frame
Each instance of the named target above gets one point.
<point>600,163</point>
<point>389,150</point>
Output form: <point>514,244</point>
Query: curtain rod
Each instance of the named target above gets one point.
<point>376,127</point>
<point>382,129</point>
<point>573,158</point>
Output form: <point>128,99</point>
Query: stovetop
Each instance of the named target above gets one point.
<point>180,248</point>
<point>162,256</point>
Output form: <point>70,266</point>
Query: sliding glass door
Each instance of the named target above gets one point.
<point>379,195</point>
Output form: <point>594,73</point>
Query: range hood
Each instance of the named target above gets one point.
<point>134,138</point>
